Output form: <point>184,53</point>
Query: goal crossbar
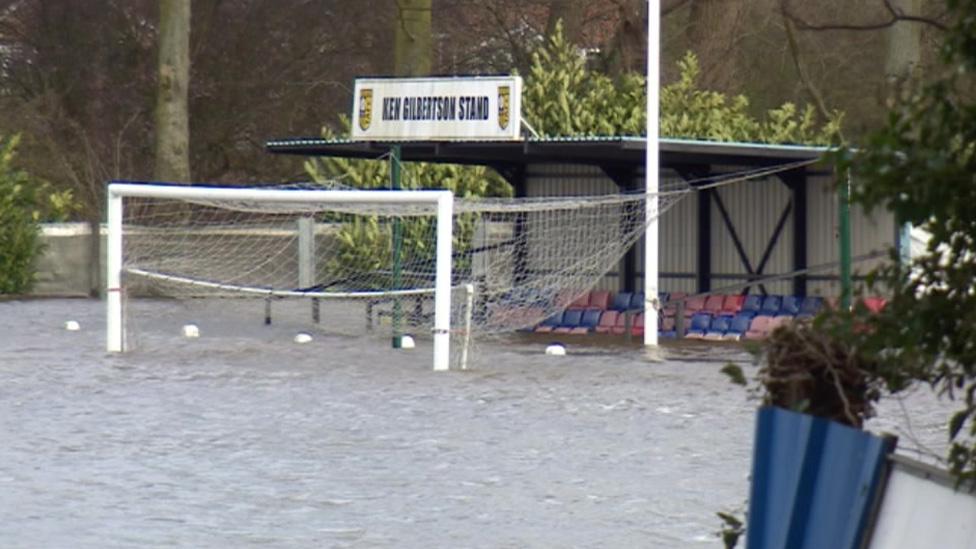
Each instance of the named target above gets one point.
<point>443,201</point>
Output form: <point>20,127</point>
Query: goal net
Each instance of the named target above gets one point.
<point>365,263</point>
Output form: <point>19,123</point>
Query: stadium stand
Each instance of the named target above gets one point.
<point>711,317</point>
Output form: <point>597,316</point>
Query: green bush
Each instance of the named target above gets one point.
<point>562,97</point>
<point>24,203</point>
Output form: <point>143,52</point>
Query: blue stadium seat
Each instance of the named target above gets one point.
<point>588,322</point>
<point>699,325</point>
<point>720,324</point>
<point>771,305</point>
<point>621,301</point>
<point>810,307</point>
<point>752,304</point>
<point>790,306</point>
<point>637,301</point>
<point>571,319</point>
<point>550,323</point>
<point>739,326</point>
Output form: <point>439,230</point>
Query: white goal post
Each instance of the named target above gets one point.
<point>443,201</point>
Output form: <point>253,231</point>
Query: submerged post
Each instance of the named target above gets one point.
<point>651,173</point>
<point>442,282</point>
<point>844,233</point>
<point>396,245</point>
<point>115,337</point>
<point>306,260</point>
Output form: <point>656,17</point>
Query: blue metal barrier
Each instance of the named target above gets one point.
<point>814,482</point>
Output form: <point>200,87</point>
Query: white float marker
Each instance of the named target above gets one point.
<point>191,330</point>
<point>302,337</point>
<point>407,342</point>
<point>556,349</point>
<point>72,326</point>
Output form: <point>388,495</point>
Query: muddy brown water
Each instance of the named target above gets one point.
<point>242,438</point>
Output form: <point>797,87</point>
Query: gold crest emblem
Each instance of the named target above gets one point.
<point>365,108</point>
<point>504,107</point>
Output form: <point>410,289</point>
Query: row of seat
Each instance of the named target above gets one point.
<point>703,325</point>
<point>714,317</point>
<point>730,305</point>
<point>734,328</point>
<point>584,321</point>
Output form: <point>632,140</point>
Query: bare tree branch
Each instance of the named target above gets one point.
<point>672,5</point>
<point>814,92</point>
<point>894,16</point>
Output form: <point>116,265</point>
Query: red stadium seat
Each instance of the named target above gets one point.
<point>759,328</point>
<point>607,321</point>
<point>599,299</point>
<point>732,304</point>
<point>713,304</point>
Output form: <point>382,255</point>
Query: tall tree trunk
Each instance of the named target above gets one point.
<point>713,28</point>
<point>172,115</point>
<point>570,12</point>
<point>413,41</point>
<point>627,49</point>
<point>904,55</point>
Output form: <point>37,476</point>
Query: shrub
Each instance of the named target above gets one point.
<point>24,203</point>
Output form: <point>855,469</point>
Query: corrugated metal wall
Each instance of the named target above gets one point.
<point>677,242</point>
<point>754,208</point>
<point>869,233</point>
<point>574,180</point>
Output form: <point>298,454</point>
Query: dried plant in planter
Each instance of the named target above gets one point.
<point>804,369</point>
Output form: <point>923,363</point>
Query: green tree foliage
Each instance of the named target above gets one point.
<point>562,97</point>
<point>24,203</point>
<point>922,166</point>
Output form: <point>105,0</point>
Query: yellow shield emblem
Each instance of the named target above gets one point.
<point>365,108</point>
<point>504,107</point>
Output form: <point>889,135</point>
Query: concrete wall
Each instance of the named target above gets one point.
<point>65,267</point>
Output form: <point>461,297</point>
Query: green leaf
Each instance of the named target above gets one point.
<point>957,421</point>
<point>735,374</point>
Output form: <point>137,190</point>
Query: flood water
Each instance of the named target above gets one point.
<point>242,438</point>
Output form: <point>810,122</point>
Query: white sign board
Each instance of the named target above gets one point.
<point>438,109</point>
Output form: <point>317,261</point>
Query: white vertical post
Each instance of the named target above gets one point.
<point>468,312</point>
<point>306,252</point>
<point>652,172</point>
<point>115,337</point>
<point>306,259</point>
<point>442,282</point>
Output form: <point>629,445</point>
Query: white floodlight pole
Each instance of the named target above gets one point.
<point>652,172</point>
<point>442,282</point>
